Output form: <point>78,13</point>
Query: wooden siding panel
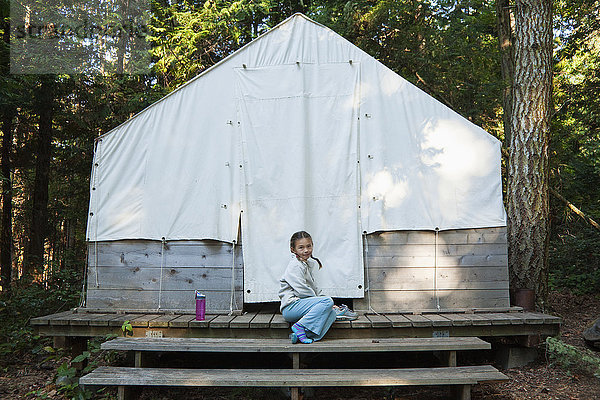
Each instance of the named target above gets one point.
<point>395,301</point>
<point>471,272</point>
<point>180,300</point>
<point>173,278</point>
<point>423,278</point>
<point>128,275</point>
<point>490,260</point>
<point>428,250</point>
<point>147,253</point>
<point>457,236</point>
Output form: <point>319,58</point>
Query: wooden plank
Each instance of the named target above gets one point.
<point>45,319</point>
<point>532,318</point>
<point>103,319</point>
<point>242,321</point>
<point>93,319</point>
<point>342,324</point>
<point>182,321</point>
<point>459,319</point>
<point>222,321</point>
<point>448,278</point>
<point>216,301</point>
<point>361,322</point>
<point>400,238</point>
<point>479,320</point>
<point>497,318</point>
<point>510,309</point>
<point>203,324</point>
<point>379,321</point>
<point>438,320</point>
<point>143,321</point>
<point>127,376</point>
<point>457,236</point>
<point>284,345</point>
<point>61,318</point>
<point>536,318</point>
<point>120,319</point>
<point>173,278</point>
<point>428,250</point>
<point>148,253</point>
<point>399,321</point>
<point>552,319</point>
<point>493,260</point>
<point>514,318</point>
<point>401,301</point>
<point>278,322</point>
<point>80,318</point>
<point>418,320</point>
<point>162,321</point>
<point>261,320</point>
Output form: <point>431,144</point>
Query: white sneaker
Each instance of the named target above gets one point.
<point>344,313</point>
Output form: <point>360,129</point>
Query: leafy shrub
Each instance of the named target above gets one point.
<point>572,358</point>
<point>575,261</point>
<point>59,293</point>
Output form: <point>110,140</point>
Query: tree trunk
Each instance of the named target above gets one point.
<point>6,234</point>
<point>528,203</point>
<point>6,114</point>
<point>507,62</point>
<point>34,254</point>
<point>126,29</point>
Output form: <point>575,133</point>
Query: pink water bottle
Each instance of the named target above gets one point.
<point>200,306</point>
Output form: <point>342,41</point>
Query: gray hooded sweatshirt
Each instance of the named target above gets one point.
<point>298,282</point>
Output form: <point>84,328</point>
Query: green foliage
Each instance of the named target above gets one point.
<point>127,329</point>
<point>188,38</point>
<point>574,261</point>
<point>447,48</point>
<point>571,358</point>
<point>575,148</point>
<point>61,292</point>
<point>67,382</point>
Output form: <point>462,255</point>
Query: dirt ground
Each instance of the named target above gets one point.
<point>28,376</point>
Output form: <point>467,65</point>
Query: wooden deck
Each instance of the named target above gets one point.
<point>272,325</point>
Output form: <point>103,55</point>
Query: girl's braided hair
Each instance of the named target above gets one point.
<point>303,235</point>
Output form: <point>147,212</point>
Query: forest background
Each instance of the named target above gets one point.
<point>449,49</point>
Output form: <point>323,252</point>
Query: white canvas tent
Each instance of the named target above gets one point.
<point>298,130</point>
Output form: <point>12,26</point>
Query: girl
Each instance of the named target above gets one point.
<point>301,302</point>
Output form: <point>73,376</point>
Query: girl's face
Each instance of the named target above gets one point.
<point>303,249</point>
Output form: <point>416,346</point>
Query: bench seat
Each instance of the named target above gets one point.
<point>130,376</point>
<point>126,378</point>
<point>284,345</point>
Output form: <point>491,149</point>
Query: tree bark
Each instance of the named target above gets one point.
<point>560,197</point>
<point>7,114</point>
<point>34,254</point>
<point>507,62</point>
<point>6,234</point>
<point>528,195</point>
<point>125,30</point>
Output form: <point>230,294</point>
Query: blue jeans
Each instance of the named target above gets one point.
<point>315,314</point>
